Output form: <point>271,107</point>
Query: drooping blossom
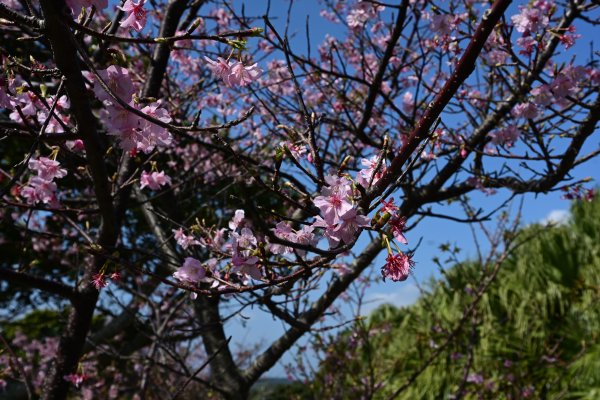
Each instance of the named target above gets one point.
<point>568,38</point>
<point>236,74</point>
<point>241,75</point>
<point>76,379</point>
<point>397,267</point>
<point>244,260</point>
<point>154,180</point>
<point>99,280</point>
<point>136,19</point>
<point>220,68</point>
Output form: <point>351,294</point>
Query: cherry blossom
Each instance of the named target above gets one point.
<point>154,180</point>
<point>366,174</point>
<point>191,271</point>
<point>237,220</point>
<point>99,280</point>
<point>530,19</point>
<point>184,240</point>
<point>47,169</point>
<point>118,81</point>
<point>137,15</point>
<point>397,267</point>
<point>39,190</point>
<point>525,110</point>
<point>76,379</point>
<point>506,136</point>
<point>236,74</point>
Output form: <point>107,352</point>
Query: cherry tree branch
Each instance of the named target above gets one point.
<point>464,68</point>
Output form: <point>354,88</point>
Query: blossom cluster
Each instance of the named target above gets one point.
<point>134,132</point>
<point>339,217</point>
<point>233,74</point>
<point>41,188</point>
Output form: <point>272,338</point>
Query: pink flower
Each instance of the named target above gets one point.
<point>47,169</point>
<point>334,200</point>
<point>283,231</point>
<point>398,224</point>
<point>75,145</point>
<point>154,180</point>
<point>506,137</point>
<point>240,75</point>
<point>152,135</point>
<point>191,271</point>
<point>119,82</point>
<point>525,110</point>
<point>442,23</point>
<point>184,240</point>
<point>389,206</point>
<point>245,265</point>
<point>76,379</point>
<point>333,207</point>
<point>99,281</point>
<point>351,222</point>
<point>220,68</point>
<point>528,44</point>
<point>529,20</point>
<point>115,276</point>
<point>236,74</point>
<point>237,220</point>
<point>408,104</point>
<point>569,37</point>
<point>137,15</point>
<point>542,95</point>
<point>365,174</point>
<point>39,190</point>
<point>222,16</point>
<point>397,267</point>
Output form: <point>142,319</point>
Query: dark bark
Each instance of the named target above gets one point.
<point>80,317</point>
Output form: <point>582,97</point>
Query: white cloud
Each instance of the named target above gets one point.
<point>406,294</point>
<point>556,217</point>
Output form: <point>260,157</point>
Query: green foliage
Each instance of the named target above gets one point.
<point>533,334</point>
